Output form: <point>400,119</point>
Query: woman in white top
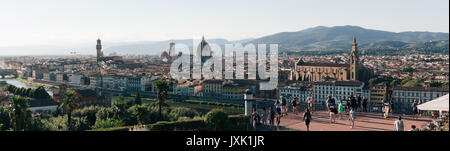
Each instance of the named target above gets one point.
<point>352,117</point>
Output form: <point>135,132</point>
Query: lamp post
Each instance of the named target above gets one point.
<point>248,98</point>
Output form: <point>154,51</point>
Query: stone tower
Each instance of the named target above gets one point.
<point>354,61</point>
<point>172,49</point>
<point>99,49</point>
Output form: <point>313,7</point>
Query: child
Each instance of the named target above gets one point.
<point>352,117</point>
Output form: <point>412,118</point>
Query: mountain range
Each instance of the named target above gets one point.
<point>340,38</point>
<point>313,41</point>
<point>337,38</point>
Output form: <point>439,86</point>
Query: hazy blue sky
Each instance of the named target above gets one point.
<point>70,22</point>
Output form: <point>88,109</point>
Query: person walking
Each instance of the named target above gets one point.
<point>418,111</point>
<point>386,109</point>
<point>328,102</point>
<point>364,104</point>
<point>399,124</point>
<point>341,109</point>
<point>264,116</point>
<point>255,118</point>
<point>415,109</point>
<point>307,118</point>
<point>358,103</point>
<point>294,106</point>
<point>310,102</point>
<point>354,102</point>
<point>392,106</point>
<point>352,117</point>
<point>283,102</point>
<point>333,113</point>
<point>278,115</point>
<point>271,117</point>
<point>349,103</point>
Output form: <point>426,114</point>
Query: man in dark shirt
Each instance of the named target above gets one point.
<point>353,100</point>
<point>358,103</point>
<point>364,103</point>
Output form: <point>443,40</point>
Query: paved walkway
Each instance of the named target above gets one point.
<point>363,122</point>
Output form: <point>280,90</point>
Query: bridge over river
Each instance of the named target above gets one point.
<point>6,72</point>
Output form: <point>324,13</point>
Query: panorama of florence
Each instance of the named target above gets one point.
<point>327,78</point>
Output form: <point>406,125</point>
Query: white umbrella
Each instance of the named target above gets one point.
<point>439,104</point>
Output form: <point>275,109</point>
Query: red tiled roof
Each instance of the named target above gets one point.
<point>323,64</point>
<point>421,89</point>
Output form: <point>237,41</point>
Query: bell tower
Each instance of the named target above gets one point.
<point>354,61</point>
<point>99,49</point>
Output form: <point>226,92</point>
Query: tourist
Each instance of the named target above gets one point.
<point>255,118</point>
<point>386,109</point>
<point>392,106</point>
<point>418,111</point>
<point>341,109</point>
<point>264,116</point>
<point>283,102</point>
<point>328,102</point>
<point>364,104</point>
<point>333,112</point>
<point>278,107</point>
<point>294,105</point>
<point>354,102</point>
<point>310,102</point>
<point>358,103</point>
<point>398,124</point>
<point>272,117</point>
<point>349,103</point>
<point>413,128</point>
<point>415,109</point>
<point>307,118</point>
<point>352,117</point>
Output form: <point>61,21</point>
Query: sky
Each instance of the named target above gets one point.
<point>73,22</point>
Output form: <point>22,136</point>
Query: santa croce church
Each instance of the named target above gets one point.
<point>305,71</point>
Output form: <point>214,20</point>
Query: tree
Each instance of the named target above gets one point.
<point>217,119</point>
<point>140,111</point>
<point>138,99</point>
<point>70,103</point>
<point>162,88</point>
<point>4,118</point>
<point>41,93</point>
<point>436,84</point>
<point>20,113</point>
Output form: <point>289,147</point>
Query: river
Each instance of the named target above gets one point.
<point>21,84</point>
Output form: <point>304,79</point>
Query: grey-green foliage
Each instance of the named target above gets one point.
<point>107,123</point>
<point>177,113</point>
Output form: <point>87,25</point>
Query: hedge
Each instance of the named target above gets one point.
<point>123,128</point>
<point>212,103</point>
<point>238,123</point>
<point>188,125</point>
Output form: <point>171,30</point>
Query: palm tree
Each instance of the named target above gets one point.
<point>162,88</point>
<point>70,103</point>
<point>21,114</point>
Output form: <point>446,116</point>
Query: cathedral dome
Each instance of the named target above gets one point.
<point>203,48</point>
<point>164,54</point>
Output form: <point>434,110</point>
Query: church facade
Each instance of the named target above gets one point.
<point>353,71</point>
